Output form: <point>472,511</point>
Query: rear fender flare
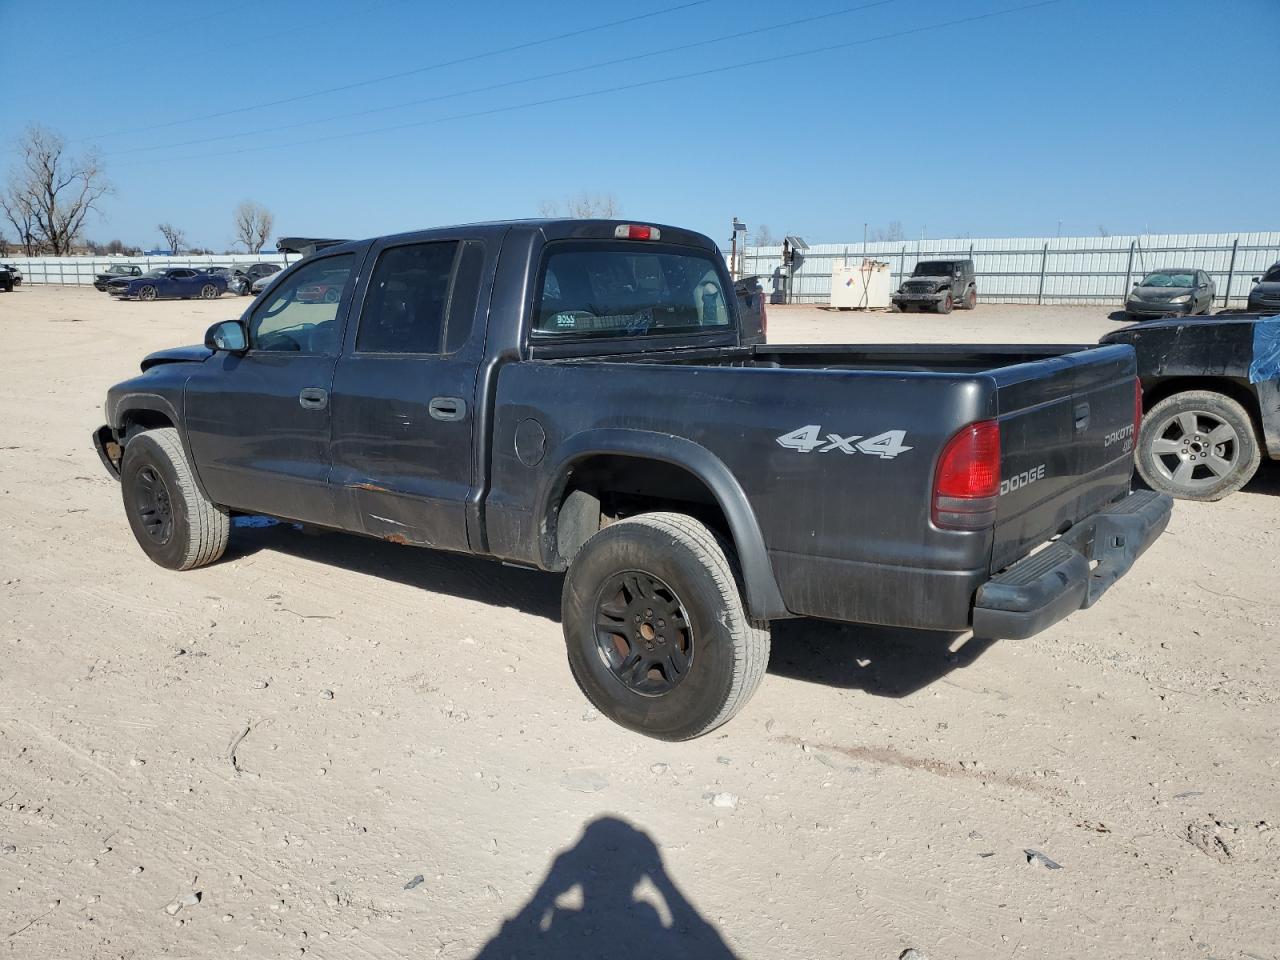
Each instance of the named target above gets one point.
<point>764,599</point>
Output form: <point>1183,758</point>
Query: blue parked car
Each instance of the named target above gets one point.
<point>169,283</point>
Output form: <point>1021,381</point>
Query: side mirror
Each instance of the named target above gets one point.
<point>229,335</point>
<point>1257,279</point>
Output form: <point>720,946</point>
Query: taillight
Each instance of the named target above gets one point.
<point>636,231</point>
<point>764,316</point>
<point>967,483</point>
<point>1137,407</point>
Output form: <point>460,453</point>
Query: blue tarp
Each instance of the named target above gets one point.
<point>1266,350</point>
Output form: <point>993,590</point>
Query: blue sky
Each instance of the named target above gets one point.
<point>1125,114</point>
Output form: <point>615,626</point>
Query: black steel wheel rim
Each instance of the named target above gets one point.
<point>155,509</point>
<point>643,634</point>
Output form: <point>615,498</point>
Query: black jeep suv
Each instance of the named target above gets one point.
<point>941,285</point>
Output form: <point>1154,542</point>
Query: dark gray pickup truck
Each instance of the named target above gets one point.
<point>575,396</point>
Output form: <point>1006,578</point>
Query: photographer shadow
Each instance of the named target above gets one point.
<point>608,896</point>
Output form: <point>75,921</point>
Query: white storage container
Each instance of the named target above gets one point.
<point>861,286</point>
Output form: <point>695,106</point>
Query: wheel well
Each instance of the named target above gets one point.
<point>135,421</point>
<point>605,488</point>
<point>1237,390</point>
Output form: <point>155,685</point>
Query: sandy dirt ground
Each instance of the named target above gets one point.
<point>341,748</point>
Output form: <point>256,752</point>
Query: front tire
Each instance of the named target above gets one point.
<point>147,292</point>
<point>657,634</point>
<point>946,304</point>
<point>176,525</point>
<point>1197,445</point>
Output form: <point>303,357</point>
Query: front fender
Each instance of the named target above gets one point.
<point>764,600</point>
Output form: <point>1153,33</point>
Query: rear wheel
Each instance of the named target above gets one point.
<point>946,304</point>
<point>1197,445</point>
<point>147,292</point>
<point>657,634</point>
<point>176,525</point>
<point>970,300</point>
<point>209,292</point>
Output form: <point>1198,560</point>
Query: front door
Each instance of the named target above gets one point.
<point>404,394</point>
<point>259,424</point>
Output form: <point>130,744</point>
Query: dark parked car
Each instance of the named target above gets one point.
<point>244,277</point>
<point>939,285</point>
<point>115,272</point>
<point>574,395</point>
<point>169,283</point>
<point>1265,295</point>
<point>6,278</point>
<point>1211,401</point>
<point>1174,291</point>
<point>15,275</point>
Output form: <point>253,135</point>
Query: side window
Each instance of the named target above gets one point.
<point>404,309</point>
<point>302,313</point>
<point>182,274</point>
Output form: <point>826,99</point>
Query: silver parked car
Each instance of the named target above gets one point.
<point>1171,292</point>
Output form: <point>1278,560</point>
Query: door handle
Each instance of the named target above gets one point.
<point>447,408</point>
<point>313,398</point>
<point>1082,416</point>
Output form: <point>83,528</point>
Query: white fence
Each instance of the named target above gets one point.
<point>1085,270</point>
<point>74,271</point>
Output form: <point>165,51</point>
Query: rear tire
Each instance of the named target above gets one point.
<point>176,525</point>
<point>970,300</point>
<point>209,292</point>
<point>686,656</point>
<point>946,304</point>
<point>1209,427</point>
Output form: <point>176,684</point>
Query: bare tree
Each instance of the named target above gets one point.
<point>1103,231</point>
<point>583,206</point>
<point>764,236</point>
<point>18,210</point>
<point>253,224</point>
<point>890,233</point>
<point>50,193</point>
<point>173,236</point>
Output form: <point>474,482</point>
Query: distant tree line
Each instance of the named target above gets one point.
<point>50,194</point>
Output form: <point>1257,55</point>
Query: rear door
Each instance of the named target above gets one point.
<point>1067,435</point>
<point>404,393</point>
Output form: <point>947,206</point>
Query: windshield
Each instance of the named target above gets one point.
<point>933,268</point>
<point>1169,279</point>
<point>628,290</point>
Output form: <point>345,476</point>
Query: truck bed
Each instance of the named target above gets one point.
<point>848,528</point>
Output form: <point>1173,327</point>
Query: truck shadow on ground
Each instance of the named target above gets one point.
<point>609,895</point>
<point>881,661</point>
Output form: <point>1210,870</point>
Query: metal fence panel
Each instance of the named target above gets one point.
<point>79,271</point>
<point>1085,270</point>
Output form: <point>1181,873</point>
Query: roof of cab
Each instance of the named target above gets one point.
<point>551,229</point>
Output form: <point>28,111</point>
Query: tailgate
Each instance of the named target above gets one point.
<point>1066,441</point>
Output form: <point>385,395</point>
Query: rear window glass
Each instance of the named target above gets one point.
<point>628,289</point>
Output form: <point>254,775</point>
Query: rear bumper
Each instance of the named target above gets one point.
<point>1045,587</point>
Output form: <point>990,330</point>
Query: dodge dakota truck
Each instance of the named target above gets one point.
<point>575,395</point>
